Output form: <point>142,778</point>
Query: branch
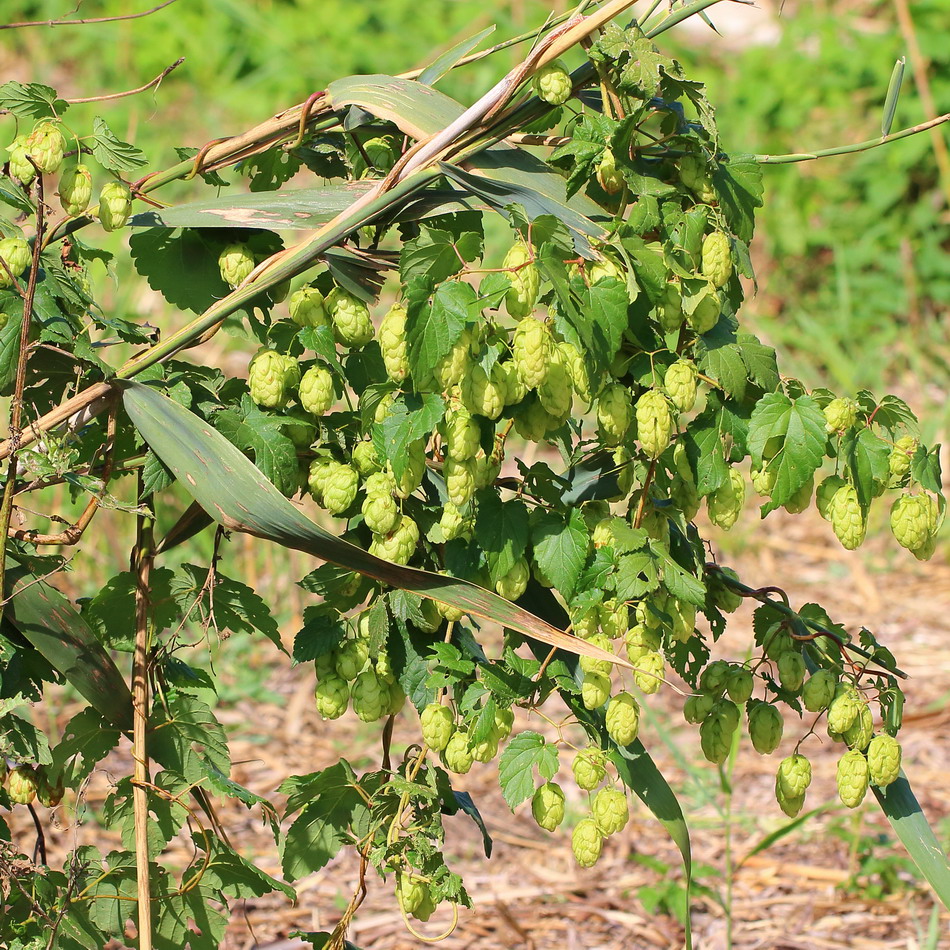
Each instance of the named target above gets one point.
<point>132,92</point>
<point>101,19</point>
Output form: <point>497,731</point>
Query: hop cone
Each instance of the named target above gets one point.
<point>75,189</point>
<point>46,145</point>
<point>654,423</point>
<point>587,842</point>
<point>115,206</point>
<point>552,83</point>
<point>717,258</point>
<point>525,280</point>
<point>852,777</point>
<point>884,760</point>
<point>547,806</point>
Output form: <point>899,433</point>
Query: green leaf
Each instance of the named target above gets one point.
<point>866,457</point>
<point>185,733</point>
<point>760,362</point>
<point>560,547</point>
<point>267,171</point>
<point>432,329</point>
<point>21,741</point>
<point>502,531</point>
<point>86,740</point>
<point>706,451</point>
<point>903,811</point>
<point>411,417</point>
<point>437,255</point>
<point>111,153</point>
<point>738,182</point>
<point>321,633</point>
<point>725,364</point>
<point>227,872</point>
<point>238,496</point>
<point>793,433</point>
<point>449,59</point>
<point>10,348</point>
<point>925,468</point>
<point>31,100</point>
<point>318,833</point>
<point>517,763</point>
<point>111,613</point>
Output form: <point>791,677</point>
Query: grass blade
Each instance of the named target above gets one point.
<point>237,495</point>
<point>450,58</point>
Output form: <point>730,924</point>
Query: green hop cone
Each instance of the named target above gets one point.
<point>438,724</point>
<point>649,672</point>
<point>695,175</point>
<point>115,206</point>
<point>706,313</point>
<point>697,707</point>
<point>684,619</point>
<point>610,810</point>
<point>715,738</point>
<point>859,734</point>
<point>525,280</point>
<point>332,696</point>
<point>425,909</point>
<point>552,83</point>
<point>365,458</point>
<point>715,677</point>
<point>513,584</point>
<point>21,785</point>
<point>613,617</point>
<point>453,524</point>
<point>623,719</point>
<point>763,481</point>
<point>765,727</point>
<point>900,458</point>
<point>573,360</point>
<point>235,262</point>
<point>843,709</point>
<point>461,434</point>
<point>49,795</point>
<point>670,313</point>
<point>380,153</point>
<point>723,596</point>
<point>739,684</point>
<point>793,776</point>
<point>75,189</point>
<point>555,391</point>
<point>339,488</point>
<point>46,145</point>
<point>840,414</point>
<point>349,317</point>
<point>504,723</point>
<point>595,689</point>
<point>792,806</point>
<point>609,177</point>
<point>370,696</point>
<point>717,258</point>
<point>316,390</point>
<point>654,423</point>
<point>589,768</point>
<point>791,671</point>
<point>614,414</point>
<point>393,344</point>
<point>852,777</point>
<point>454,366</point>
<point>532,351</point>
<point>680,383</point>
<point>547,806</point>
<point>411,892</point>
<point>351,658</point>
<point>380,512</point>
<point>459,481</point>
<point>826,492</point>
<point>21,167</point>
<point>16,257</point>
<point>604,268</point>
<point>267,379</point>
<point>399,545</point>
<point>307,307</point>
<point>847,517</point>
<point>484,393</point>
<point>486,750</point>
<point>587,842</point>
<point>911,521</point>
<point>819,690</point>
<point>725,503</point>
<point>801,499</point>
<point>415,469</point>
<point>884,760</point>
<point>456,756</point>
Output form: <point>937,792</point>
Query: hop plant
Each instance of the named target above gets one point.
<point>370,697</point>
<point>349,317</point>
<point>826,492</point>
<point>48,794</point>
<point>791,671</point>
<point>552,83</point>
<point>847,517</point>
<point>853,776</point>
<point>680,383</point>
<point>763,481</point>
<point>884,760</point>
<point>525,280</point>
<point>715,738</point>
<point>614,414</point>
<point>21,785</point>
<point>610,811</point>
<point>587,842</point>
<point>393,344</point>
<point>307,307</point>
<point>840,414</point>
<point>609,176</point>
<point>577,373</point>
<point>793,776</point>
<point>843,709</point>
<point>339,488</point>
<point>316,391</point>
<point>411,892</point>
<point>453,367</point>
<point>912,521</point>
<point>694,175</point>
<point>532,350</point>
<point>623,719</point>
<point>235,262</point>
<point>595,689</point>
<point>649,672</point>
<point>547,806</point>
<point>765,727</point>
<point>115,206</point>
<point>900,458</point>
<point>456,756</point>
<point>670,313</point>
<point>16,257</point>
<point>365,458</point>
<point>706,312</point>
<point>380,511</point>
<point>46,145</point>
<point>740,684</point>
<point>654,423</point>
<point>513,584</point>
<point>351,658</point>
<point>459,481</point>
<point>484,392</point>
<point>267,379</point>
<point>697,707</point>
<point>21,167</point>
<point>819,690</point>
<point>717,258</point>
<point>332,696</point>
<point>725,503</point>
<point>859,733</point>
<point>400,544</point>
<point>75,189</point>
<point>588,768</point>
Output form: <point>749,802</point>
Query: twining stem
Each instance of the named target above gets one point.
<point>142,565</point>
<point>15,441</point>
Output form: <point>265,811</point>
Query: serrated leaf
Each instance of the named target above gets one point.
<point>502,531</point>
<point>228,873</point>
<point>31,100</point>
<point>411,417</point>
<point>432,329</point>
<point>738,182</point>
<point>866,457</point>
<point>184,734</point>
<point>112,153</point>
<point>21,741</point>
<point>560,547</point>
<point>321,633</point>
<point>437,255</point>
<point>925,468</point>
<point>86,740</point>
<point>516,765</point>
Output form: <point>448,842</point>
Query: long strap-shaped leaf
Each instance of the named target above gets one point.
<point>237,495</point>
<point>909,822</point>
<point>49,621</point>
